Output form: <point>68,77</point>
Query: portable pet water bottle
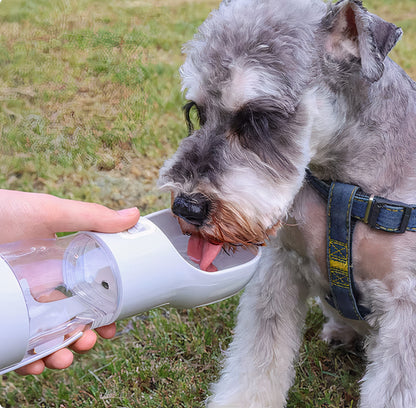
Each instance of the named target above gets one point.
<point>51,290</point>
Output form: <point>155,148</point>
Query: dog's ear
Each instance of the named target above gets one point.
<point>354,32</point>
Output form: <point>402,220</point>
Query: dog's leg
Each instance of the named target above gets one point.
<point>390,378</point>
<point>259,368</point>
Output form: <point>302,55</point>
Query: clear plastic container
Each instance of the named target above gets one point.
<point>66,284</point>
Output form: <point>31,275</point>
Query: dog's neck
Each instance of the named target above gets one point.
<point>365,134</point>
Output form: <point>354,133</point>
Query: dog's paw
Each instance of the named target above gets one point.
<point>337,334</point>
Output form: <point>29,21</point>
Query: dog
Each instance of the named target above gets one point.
<point>299,104</point>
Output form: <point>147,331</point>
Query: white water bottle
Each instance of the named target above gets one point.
<point>51,290</point>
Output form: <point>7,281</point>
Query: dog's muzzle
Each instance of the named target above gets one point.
<point>193,208</point>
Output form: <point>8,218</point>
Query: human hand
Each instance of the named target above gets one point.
<point>32,215</point>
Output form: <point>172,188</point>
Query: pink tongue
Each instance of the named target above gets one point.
<point>203,252</point>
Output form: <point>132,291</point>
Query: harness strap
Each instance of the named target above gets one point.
<point>378,212</point>
<point>339,236</point>
<point>347,204</point>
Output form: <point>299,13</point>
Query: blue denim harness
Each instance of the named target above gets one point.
<point>347,204</point>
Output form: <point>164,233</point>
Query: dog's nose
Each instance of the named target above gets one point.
<point>193,208</point>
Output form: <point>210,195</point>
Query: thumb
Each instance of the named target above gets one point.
<point>73,215</point>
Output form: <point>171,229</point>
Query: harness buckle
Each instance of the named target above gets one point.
<point>372,211</point>
<point>376,204</point>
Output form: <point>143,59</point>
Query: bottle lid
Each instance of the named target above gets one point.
<point>14,319</point>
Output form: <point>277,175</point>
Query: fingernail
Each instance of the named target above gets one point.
<point>128,211</point>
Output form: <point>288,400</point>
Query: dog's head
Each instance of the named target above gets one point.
<point>248,75</point>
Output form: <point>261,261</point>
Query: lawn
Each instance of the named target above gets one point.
<point>90,107</point>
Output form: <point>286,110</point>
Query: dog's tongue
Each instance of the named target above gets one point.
<point>203,252</point>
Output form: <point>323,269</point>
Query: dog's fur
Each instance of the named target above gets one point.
<point>281,85</point>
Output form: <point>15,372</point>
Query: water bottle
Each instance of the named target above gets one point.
<point>52,290</point>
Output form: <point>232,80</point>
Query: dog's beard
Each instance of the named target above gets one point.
<point>225,229</point>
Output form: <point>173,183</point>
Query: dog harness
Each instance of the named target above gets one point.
<point>347,204</point>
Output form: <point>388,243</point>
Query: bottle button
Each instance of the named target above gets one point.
<point>137,229</point>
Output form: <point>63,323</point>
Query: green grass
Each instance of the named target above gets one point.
<point>90,107</point>
<point>88,86</point>
<point>163,359</point>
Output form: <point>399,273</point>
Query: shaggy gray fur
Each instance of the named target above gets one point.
<point>279,86</point>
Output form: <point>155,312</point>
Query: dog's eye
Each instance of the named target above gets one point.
<point>248,123</point>
<point>193,113</point>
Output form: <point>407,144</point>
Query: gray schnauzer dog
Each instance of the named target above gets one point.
<point>307,131</point>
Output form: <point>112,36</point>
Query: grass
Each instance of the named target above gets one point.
<point>90,90</point>
<point>90,107</point>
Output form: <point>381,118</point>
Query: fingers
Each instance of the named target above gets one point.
<point>69,215</point>
<point>89,338</point>
<point>59,360</point>
<point>32,369</point>
<point>63,358</point>
<point>85,343</point>
<point>44,215</point>
<point>107,332</point>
